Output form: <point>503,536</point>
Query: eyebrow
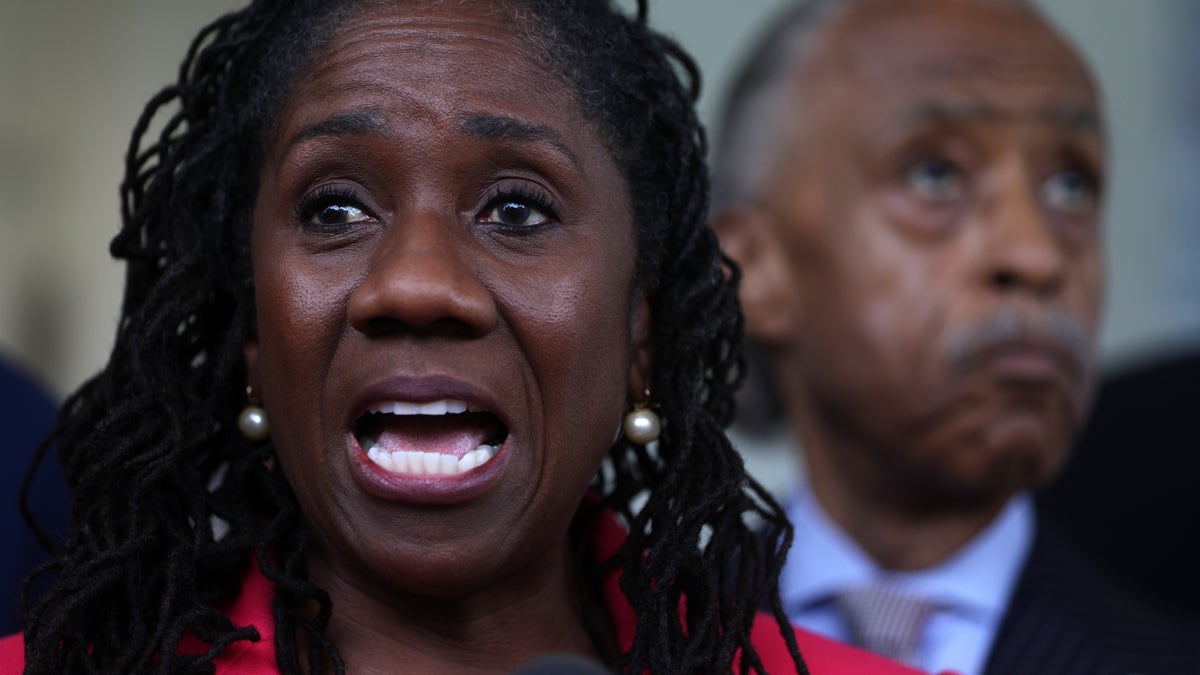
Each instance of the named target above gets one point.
<point>1075,118</point>
<point>501,128</point>
<point>359,123</point>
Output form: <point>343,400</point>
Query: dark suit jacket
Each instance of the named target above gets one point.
<point>1066,618</point>
<point>1130,495</point>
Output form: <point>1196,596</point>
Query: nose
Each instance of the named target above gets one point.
<point>1023,251</point>
<point>420,279</point>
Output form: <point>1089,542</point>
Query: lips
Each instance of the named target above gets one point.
<point>442,437</point>
<point>1030,361</point>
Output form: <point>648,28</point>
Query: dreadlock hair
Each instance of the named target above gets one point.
<point>169,502</point>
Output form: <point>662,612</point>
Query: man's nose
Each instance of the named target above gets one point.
<point>421,279</point>
<point>1023,251</point>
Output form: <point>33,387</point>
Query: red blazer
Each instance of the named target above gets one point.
<point>253,607</point>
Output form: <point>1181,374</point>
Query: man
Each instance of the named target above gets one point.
<point>913,189</point>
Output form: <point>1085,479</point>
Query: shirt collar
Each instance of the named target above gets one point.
<point>977,580</point>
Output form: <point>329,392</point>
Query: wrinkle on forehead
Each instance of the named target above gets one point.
<point>426,33</point>
<point>949,39</point>
<point>958,60</point>
<point>435,26</point>
<point>1077,119</point>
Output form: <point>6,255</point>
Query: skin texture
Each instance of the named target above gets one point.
<point>416,119</point>
<point>925,265</point>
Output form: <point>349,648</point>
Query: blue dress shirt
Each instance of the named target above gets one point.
<point>971,589</point>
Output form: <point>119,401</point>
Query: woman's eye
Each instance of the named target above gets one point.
<point>331,210</point>
<point>516,213</point>
<point>1070,192</point>
<point>333,215</point>
<point>936,180</point>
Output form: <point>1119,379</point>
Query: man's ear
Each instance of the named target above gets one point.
<point>768,292</point>
<point>641,357</point>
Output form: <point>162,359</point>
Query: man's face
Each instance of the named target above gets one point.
<point>939,209</point>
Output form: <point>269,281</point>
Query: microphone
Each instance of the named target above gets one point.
<point>562,664</point>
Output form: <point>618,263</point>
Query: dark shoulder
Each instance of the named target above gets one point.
<point>1066,610</point>
<point>1127,494</point>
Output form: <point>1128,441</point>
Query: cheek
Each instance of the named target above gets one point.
<point>286,314</point>
<point>879,314</point>
<point>298,320</point>
<point>577,337</point>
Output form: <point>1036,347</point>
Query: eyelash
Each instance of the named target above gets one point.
<point>533,196</point>
<point>331,195</point>
<point>322,197</point>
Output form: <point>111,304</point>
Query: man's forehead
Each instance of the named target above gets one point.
<point>960,41</point>
<point>1064,115</point>
<point>953,60</point>
<point>1068,107</point>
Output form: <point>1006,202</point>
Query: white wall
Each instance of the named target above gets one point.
<point>75,74</point>
<point>1144,52</point>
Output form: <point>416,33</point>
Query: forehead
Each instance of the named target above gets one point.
<point>434,61</point>
<point>989,58</point>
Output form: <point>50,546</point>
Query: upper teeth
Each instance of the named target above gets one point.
<point>446,406</point>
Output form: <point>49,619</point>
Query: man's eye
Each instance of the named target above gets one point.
<point>936,180</point>
<point>1070,192</point>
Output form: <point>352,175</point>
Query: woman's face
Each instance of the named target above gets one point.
<point>443,258</point>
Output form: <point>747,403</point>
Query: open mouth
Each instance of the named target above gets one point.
<point>438,438</point>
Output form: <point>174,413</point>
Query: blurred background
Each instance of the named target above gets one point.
<point>74,75</point>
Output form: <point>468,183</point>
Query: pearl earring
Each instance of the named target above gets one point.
<point>253,420</point>
<point>642,425</point>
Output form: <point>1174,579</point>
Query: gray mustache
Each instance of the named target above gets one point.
<point>1010,325</point>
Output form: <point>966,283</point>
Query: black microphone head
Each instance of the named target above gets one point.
<point>562,664</point>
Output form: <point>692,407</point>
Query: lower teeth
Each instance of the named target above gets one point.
<point>430,463</point>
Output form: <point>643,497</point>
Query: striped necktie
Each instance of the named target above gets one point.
<point>885,620</point>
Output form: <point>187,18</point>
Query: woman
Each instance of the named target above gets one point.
<point>445,249</point>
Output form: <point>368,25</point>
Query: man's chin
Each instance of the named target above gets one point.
<point>1005,472</point>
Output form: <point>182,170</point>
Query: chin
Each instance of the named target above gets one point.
<point>999,472</point>
<point>429,571</point>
